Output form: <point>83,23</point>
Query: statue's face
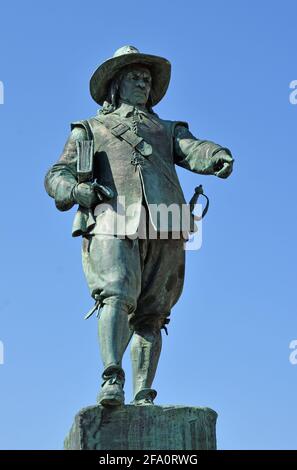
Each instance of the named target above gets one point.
<point>136,85</point>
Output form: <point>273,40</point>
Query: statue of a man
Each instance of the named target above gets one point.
<point>135,280</point>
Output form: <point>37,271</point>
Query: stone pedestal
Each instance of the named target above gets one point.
<point>143,427</point>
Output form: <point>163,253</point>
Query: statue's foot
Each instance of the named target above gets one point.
<point>144,397</point>
<point>112,393</point>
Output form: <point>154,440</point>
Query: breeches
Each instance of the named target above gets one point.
<point>144,277</point>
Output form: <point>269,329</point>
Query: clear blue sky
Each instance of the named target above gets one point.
<point>228,343</point>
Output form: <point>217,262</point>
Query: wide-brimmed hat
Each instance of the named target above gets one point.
<point>159,67</point>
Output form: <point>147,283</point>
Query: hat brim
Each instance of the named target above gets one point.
<point>160,69</point>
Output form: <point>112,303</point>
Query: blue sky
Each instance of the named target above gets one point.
<point>228,343</point>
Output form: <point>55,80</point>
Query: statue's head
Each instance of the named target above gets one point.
<point>131,76</point>
<point>132,85</point>
<point>135,85</point>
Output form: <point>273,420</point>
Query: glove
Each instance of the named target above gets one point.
<point>221,164</point>
<point>90,194</point>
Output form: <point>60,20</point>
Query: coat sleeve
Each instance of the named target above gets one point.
<point>62,176</point>
<point>192,153</point>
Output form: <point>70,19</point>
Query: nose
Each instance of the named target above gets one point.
<point>141,83</point>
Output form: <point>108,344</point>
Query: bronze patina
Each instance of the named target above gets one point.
<point>118,166</point>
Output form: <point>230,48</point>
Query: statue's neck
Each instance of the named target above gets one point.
<point>141,107</point>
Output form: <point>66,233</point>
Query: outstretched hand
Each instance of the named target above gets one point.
<point>222,164</point>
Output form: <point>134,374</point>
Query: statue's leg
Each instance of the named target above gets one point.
<point>163,263</point>
<point>114,334</point>
<point>112,268</point>
<point>145,352</point>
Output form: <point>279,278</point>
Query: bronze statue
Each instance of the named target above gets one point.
<point>121,164</point>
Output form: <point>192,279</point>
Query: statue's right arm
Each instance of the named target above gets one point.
<point>61,178</point>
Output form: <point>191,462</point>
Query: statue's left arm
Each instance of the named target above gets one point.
<point>61,178</point>
<point>61,182</point>
<point>200,156</point>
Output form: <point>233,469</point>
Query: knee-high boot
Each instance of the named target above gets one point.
<point>145,352</point>
<point>114,336</point>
